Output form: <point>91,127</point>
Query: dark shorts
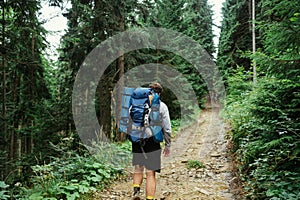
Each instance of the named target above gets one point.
<point>150,158</point>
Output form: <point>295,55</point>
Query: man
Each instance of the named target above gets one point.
<point>149,156</point>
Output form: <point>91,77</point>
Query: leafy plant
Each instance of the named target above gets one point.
<point>74,175</point>
<point>175,124</point>
<point>194,164</point>
<point>4,192</point>
<point>265,131</point>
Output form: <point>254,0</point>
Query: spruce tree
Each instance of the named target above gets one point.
<point>23,90</point>
<point>236,37</point>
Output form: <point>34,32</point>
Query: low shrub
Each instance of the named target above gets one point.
<point>76,176</point>
<point>265,130</point>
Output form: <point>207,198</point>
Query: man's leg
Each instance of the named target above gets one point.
<point>150,184</point>
<point>138,177</point>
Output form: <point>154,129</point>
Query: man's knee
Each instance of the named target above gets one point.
<point>139,169</point>
<point>150,173</point>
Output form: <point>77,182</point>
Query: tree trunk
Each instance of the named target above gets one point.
<point>13,145</point>
<point>104,93</point>
<point>118,105</point>
<point>253,41</point>
<point>119,78</point>
<point>19,149</point>
<point>4,136</point>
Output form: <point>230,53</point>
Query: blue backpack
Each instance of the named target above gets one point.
<point>140,117</point>
<point>155,119</point>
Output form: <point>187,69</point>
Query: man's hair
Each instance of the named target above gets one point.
<point>156,87</point>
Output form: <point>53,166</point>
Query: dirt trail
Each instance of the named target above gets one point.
<point>204,141</point>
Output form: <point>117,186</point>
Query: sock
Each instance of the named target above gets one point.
<point>150,197</point>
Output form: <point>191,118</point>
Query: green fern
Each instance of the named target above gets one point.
<point>277,142</point>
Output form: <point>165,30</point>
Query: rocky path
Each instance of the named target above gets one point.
<point>205,143</point>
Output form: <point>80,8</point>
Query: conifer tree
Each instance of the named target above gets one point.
<point>23,88</point>
<point>194,19</point>
<point>235,38</point>
<point>91,22</point>
<point>264,118</point>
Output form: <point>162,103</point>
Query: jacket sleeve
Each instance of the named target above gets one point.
<point>166,123</point>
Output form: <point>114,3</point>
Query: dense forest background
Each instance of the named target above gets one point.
<point>40,152</point>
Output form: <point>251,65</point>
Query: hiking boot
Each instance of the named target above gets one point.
<point>136,193</point>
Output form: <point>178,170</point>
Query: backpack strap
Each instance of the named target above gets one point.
<point>156,121</point>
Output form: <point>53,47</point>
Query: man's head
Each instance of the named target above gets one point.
<point>156,87</point>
